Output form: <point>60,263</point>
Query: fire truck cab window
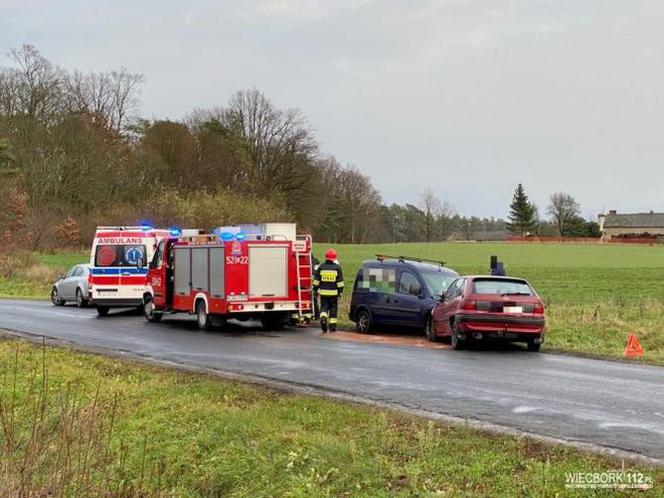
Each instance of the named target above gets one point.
<point>119,255</point>
<point>158,257</point>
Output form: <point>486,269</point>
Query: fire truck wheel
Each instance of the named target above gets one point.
<point>55,297</point>
<point>102,310</point>
<point>202,317</point>
<point>274,321</point>
<point>81,302</point>
<point>151,315</point>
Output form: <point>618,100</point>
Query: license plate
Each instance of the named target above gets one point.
<point>107,291</point>
<point>513,309</point>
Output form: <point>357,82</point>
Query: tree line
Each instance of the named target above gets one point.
<point>76,153</point>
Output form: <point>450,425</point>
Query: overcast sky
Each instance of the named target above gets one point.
<point>466,97</point>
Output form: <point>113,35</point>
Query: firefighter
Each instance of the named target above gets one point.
<point>329,285</point>
<point>315,263</point>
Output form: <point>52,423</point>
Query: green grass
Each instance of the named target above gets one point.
<point>32,276</point>
<point>85,425</point>
<point>596,295</point>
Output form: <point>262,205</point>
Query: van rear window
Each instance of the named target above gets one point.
<point>119,255</point>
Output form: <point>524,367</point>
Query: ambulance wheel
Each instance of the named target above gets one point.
<point>55,297</point>
<point>102,310</point>
<point>363,324</point>
<point>202,317</point>
<point>149,312</point>
<point>81,302</point>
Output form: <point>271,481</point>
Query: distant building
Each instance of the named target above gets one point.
<point>614,224</point>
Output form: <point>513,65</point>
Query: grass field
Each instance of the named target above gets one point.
<point>595,294</point>
<point>81,425</point>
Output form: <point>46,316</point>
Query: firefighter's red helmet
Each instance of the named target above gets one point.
<point>331,255</point>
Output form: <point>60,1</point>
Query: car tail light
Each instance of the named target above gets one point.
<point>469,305</point>
<point>538,309</point>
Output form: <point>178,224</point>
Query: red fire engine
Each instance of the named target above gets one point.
<point>242,272</point>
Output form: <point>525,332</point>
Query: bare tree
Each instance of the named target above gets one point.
<point>432,207</point>
<point>280,140</point>
<point>563,209</point>
<point>445,220</point>
<point>33,88</point>
<point>111,96</point>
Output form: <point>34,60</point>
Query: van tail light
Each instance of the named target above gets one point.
<point>469,305</point>
<point>538,309</point>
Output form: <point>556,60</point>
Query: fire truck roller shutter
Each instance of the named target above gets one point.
<point>268,271</point>
<point>199,269</point>
<point>217,288</point>
<point>182,274</point>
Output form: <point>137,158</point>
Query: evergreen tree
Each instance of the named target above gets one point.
<point>523,213</point>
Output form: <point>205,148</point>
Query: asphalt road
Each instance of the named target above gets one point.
<point>610,404</point>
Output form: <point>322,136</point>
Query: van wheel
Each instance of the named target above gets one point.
<point>149,311</point>
<point>430,331</point>
<point>456,342</point>
<point>202,317</point>
<point>102,310</point>
<point>363,323</point>
<point>55,297</point>
<point>80,300</point>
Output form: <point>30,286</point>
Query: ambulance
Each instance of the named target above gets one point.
<point>242,272</point>
<point>118,261</point>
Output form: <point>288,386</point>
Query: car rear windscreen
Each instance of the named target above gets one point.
<point>119,255</point>
<point>502,287</point>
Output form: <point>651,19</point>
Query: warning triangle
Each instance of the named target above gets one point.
<point>633,348</point>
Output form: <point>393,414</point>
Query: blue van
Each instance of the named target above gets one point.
<point>397,291</point>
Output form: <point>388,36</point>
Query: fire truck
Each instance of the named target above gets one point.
<point>118,258</point>
<point>242,272</point>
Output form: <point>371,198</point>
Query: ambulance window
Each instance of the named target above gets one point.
<point>119,255</point>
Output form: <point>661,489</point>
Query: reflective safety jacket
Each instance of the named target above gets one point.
<point>328,279</point>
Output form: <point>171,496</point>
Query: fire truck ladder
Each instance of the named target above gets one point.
<point>304,280</point>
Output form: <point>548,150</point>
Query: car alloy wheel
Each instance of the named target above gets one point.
<point>363,323</point>
<point>80,301</point>
<point>534,346</point>
<point>455,341</point>
<point>55,297</point>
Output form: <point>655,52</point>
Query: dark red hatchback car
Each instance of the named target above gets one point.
<point>488,307</point>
